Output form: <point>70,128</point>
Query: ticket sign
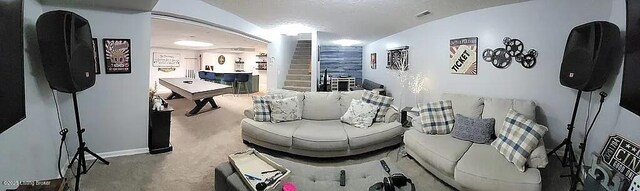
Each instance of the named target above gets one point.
<point>622,155</point>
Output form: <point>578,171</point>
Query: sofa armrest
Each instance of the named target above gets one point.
<point>392,115</point>
<point>249,113</point>
<point>379,91</point>
<point>538,157</point>
<point>417,124</point>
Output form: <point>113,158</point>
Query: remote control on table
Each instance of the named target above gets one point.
<point>343,178</point>
<point>384,165</point>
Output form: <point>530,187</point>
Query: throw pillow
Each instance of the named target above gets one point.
<point>284,110</point>
<point>261,107</point>
<point>437,117</point>
<point>383,103</point>
<point>518,138</point>
<point>473,130</point>
<point>360,114</point>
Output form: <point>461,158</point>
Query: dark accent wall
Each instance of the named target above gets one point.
<point>341,60</point>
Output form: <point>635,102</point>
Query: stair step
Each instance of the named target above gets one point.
<point>302,52</point>
<point>298,77</point>
<point>296,71</point>
<point>300,89</point>
<point>298,83</point>
<point>299,66</point>
<point>301,62</point>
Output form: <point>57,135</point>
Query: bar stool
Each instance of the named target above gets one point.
<point>230,79</point>
<point>202,74</point>
<point>242,79</point>
<point>218,78</point>
<point>209,76</point>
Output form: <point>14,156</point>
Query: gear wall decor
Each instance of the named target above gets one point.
<point>513,49</point>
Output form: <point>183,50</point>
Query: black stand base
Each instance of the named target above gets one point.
<point>200,104</point>
<point>82,148</point>
<point>569,158</point>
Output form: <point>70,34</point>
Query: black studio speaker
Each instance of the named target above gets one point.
<point>66,50</point>
<point>593,50</point>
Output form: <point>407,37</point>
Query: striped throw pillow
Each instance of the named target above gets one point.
<point>518,138</point>
<point>437,117</point>
<point>383,103</point>
<point>261,107</point>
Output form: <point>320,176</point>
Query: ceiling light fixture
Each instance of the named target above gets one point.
<point>292,29</point>
<point>347,42</point>
<point>192,43</point>
<point>423,13</point>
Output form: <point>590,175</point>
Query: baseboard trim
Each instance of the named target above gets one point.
<point>118,153</point>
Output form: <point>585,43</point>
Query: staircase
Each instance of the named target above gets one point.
<point>299,76</point>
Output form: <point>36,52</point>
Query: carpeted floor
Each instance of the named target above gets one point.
<point>202,142</point>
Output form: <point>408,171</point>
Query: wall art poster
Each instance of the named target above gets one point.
<point>463,56</point>
<point>96,58</point>
<point>117,56</point>
<point>166,60</point>
<point>374,63</point>
<point>398,58</point>
<point>622,155</point>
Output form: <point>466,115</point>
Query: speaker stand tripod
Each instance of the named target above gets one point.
<point>82,148</point>
<point>569,158</point>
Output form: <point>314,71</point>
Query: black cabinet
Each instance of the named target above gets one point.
<point>160,130</point>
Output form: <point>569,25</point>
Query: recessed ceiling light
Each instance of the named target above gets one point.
<point>192,43</point>
<point>423,13</point>
<point>347,42</point>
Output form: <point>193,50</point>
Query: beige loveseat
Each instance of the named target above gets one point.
<point>469,166</point>
<point>320,133</point>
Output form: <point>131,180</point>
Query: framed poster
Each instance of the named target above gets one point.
<point>117,56</point>
<point>166,60</point>
<point>374,63</point>
<point>463,57</point>
<point>622,155</point>
<point>96,58</point>
<point>398,58</point>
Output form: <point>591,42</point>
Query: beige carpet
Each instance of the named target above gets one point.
<point>202,142</point>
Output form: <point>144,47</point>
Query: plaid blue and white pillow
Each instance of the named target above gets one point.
<point>261,106</point>
<point>437,117</point>
<point>518,138</point>
<point>383,103</point>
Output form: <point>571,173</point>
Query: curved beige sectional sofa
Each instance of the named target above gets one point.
<point>470,166</point>
<point>320,133</point>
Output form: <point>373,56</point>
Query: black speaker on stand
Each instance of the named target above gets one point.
<point>67,58</point>
<point>591,54</point>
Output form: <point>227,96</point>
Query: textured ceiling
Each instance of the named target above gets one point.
<point>164,33</point>
<point>365,20</point>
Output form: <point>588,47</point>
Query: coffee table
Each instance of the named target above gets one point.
<point>310,178</point>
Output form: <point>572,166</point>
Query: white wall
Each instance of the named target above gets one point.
<point>211,59</point>
<point>29,149</point>
<point>280,52</point>
<point>155,74</point>
<point>543,25</point>
<point>114,111</point>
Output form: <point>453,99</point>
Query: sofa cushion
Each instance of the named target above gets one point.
<point>474,130</point>
<point>437,117</point>
<point>284,110</point>
<point>288,94</point>
<point>346,97</point>
<point>467,105</point>
<point>360,114</point>
<point>326,135</point>
<point>261,108</point>
<point>321,106</point>
<point>377,133</point>
<point>518,138</point>
<point>498,108</point>
<point>441,151</point>
<point>278,134</point>
<point>383,102</point>
<point>483,168</point>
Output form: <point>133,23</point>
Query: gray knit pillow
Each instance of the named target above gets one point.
<point>474,130</point>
